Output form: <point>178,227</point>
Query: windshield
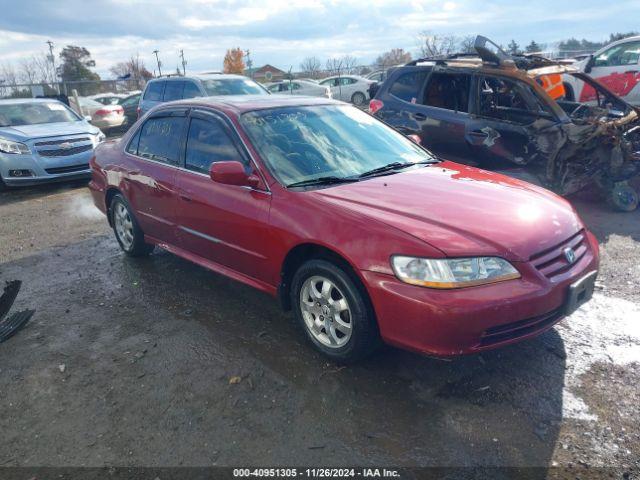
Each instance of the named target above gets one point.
<point>232,86</point>
<point>13,115</point>
<point>303,143</point>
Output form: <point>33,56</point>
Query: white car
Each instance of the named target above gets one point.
<point>617,66</point>
<point>105,117</point>
<point>107,98</point>
<point>349,88</point>
<point>300,87</point>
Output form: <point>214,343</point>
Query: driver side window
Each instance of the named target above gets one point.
<point>509,100</point>
<point>208,143</point>
<point>619,55</point>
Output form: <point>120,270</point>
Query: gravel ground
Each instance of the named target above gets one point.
<point>158,362</point>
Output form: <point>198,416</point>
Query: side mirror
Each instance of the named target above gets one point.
<point>87,118</point>
<point>589,65</point>
<point>232,173</point>
<point>415,138</point>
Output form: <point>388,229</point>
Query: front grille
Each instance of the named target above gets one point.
<point>513,330</point>
<point>64,140</point>
<point>68,169</point>
<point>65,152</point>
<point>553,262</point>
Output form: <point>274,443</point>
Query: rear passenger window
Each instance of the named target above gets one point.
<point>408,85</point>
<point>161,138</point>
<point>449,91</point>
<point>191,90</point>
<point>173,91</point>
<point>208,143</point>
<point>154,91</point>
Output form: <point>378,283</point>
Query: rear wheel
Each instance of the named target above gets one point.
<point>126,228</point>
<point>623,197</point>
<point>333,311</point>
<point>3,186</point>
<point>358,99</point>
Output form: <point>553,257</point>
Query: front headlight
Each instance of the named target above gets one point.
<point>452,272</point>
<point>15,148</point>
<point>98,139</point>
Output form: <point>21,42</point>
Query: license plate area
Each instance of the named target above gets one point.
<point>580,292</point>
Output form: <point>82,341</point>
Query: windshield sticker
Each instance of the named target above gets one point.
<point>55,106</point>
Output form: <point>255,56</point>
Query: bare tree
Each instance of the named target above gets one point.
<point>334,66</point>
<point>134,68</point>
<point>8,79</point>
<point>467,44</point>
<point>433,45</point>
<point>349,64</point>
<point>395,56</point>
<point>44,68</point>
<point>310,67</point>
<point>29,72</point>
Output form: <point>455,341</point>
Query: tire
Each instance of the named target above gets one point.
<point>324,316</point>
<point>126,229</point>
<point>3,186</point>
<point>623,197</point>
<point>358,99</point>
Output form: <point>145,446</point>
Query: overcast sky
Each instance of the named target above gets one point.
<point>283,32</point>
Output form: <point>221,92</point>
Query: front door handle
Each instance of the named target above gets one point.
<point>185,198</point>
<point>478,133</point>
<point>419,116</point>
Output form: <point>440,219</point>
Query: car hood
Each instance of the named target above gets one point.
<point>462,210</point>
<point>26,132</point>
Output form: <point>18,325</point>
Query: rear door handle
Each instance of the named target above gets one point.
<point>419,116</point>
<point>185,198</point>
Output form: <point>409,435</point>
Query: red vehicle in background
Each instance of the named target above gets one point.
<point>364,234</point>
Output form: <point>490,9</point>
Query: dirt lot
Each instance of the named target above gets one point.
<point>128,362</point>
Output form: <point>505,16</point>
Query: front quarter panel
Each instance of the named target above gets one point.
<point>303,217</point>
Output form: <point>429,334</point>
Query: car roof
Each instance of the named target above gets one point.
<point>205,76</point>
<point>617,42</point>
<point>246,103</point>
<point>10,101</point>
<point>343,76</point>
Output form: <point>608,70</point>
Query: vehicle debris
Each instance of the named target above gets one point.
<point>10,325</point>
<point>512,114</point>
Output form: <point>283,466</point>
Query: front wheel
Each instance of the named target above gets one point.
<point>333,311</point>
<point>358,99</point>
<point>125,226</point>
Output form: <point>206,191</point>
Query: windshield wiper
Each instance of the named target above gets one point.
<point>393,167</point>
<point>322,181</point>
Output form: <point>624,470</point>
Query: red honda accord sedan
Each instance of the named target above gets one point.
<point>364,234</point>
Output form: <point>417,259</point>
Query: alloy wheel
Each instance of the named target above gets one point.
<point>326,312</point>
<point>124,226</point>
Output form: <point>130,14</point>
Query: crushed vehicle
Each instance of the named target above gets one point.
<point>507,113</point>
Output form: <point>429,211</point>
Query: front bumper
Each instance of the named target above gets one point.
<point>470,320</point>
<point>44,170</point>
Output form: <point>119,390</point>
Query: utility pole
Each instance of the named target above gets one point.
<point>184,62</point>
<point>52,59</point>
<point>247,54</point>
<point>158,62</point>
